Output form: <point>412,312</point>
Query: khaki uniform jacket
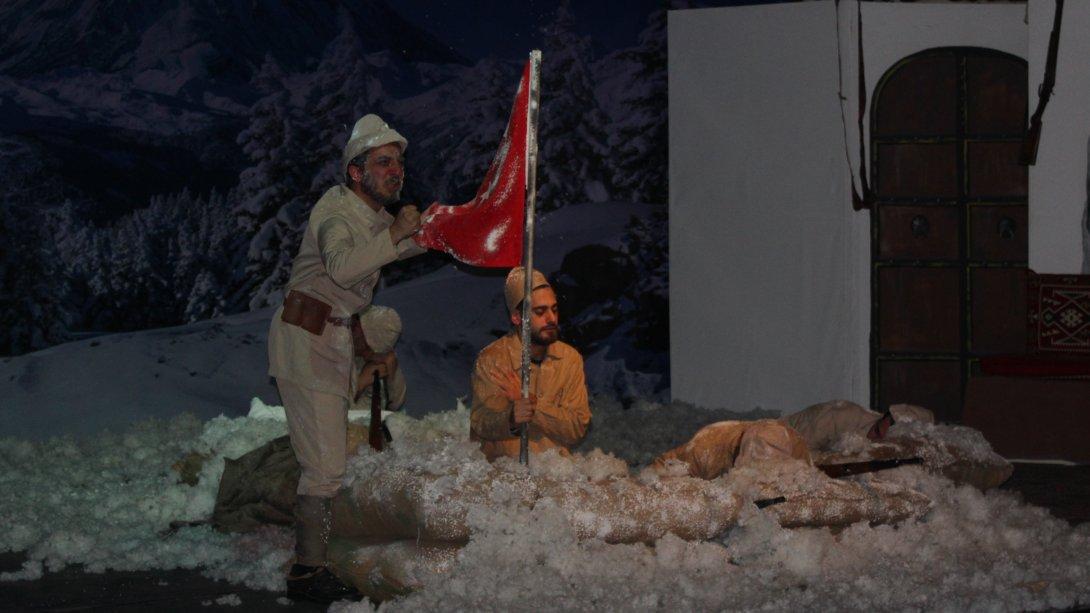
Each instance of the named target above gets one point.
<point>562,414</point>
<point>345,246</point>
<point>719,447</point>
<point>822,424</point>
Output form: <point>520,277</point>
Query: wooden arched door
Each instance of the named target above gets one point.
<point>949,240</point>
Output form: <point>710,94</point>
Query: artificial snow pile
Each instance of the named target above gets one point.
<point>959,453</point>
<point>421,489</point>
<point>972,552</point>
<point>109,503</point>
<point>426,488</point>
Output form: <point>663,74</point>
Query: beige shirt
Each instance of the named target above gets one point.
<point>563,411</point>
<point>344,248</point>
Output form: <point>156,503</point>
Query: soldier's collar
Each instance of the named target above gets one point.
<point>364,209</point>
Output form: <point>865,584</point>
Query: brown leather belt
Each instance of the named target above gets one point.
<point>312,314</point>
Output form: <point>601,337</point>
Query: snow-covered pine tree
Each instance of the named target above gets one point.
<point>271,193</point>
<point>144,270</point>
<point>91,268</point>
<point>491,86</point>
<point>35,310</point>
<point>640,172</point>
<point>638,136</point>
<point>138,285</point>
<point>342,89</point>
<point>76,249</point>
<point>309,139</point>
<point>646,243</point>
<point>573,161</point>
<point>203,266</point>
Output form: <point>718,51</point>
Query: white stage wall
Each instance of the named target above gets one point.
<point>764,308</point>
<point>1058,183</point>
<point>769,265</point>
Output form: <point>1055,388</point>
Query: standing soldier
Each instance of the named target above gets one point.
<point>315,334</point>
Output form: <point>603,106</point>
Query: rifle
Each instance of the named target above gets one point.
<point>1028,155</point>
<point>847,469</point>
<point>375,434</point>
<point>857,468</point>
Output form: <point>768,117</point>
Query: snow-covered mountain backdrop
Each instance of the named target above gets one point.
<point>159,160</point>
<point>217,366</point>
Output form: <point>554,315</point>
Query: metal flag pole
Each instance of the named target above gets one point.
<point>530,172</point>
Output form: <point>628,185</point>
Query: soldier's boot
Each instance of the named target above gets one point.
<point>310,578</point>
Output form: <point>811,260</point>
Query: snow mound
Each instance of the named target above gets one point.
<point>108,502</point>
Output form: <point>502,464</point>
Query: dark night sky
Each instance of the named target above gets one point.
<point>506,29</point>
<point>510,29</point>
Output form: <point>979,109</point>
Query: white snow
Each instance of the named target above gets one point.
<point>107,502</point>
<point>229,600</point>
<point>494,238</point>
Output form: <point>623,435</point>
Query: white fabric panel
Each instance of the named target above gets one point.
<point>768,263</point>
<point>1058,183</point>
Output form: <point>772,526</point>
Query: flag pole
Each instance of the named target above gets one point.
<point>530,172</point>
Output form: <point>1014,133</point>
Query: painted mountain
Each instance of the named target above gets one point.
<point>159,158</point>
<point>128,100</point>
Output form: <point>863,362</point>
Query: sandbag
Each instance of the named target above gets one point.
<point>627,511</point>
<point>401,505</point>
<point>258,488</point>
<point>844,503</point>
<point>384,570</point>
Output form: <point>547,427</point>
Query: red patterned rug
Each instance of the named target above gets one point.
<point>1059,313</point>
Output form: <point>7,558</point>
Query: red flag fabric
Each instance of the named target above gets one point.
<point>487,231</point>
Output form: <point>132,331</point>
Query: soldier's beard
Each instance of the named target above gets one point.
<point>551,335</point>
<point>370,187</point>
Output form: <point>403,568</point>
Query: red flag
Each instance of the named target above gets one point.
<point>487,231</point>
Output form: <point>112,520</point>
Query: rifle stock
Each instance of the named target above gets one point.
<point>1028,155</point>
<point>375,435</point>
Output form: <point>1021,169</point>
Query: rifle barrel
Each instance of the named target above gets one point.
<point>856,468</point>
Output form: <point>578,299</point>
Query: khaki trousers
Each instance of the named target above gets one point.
<point>318,427</point>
